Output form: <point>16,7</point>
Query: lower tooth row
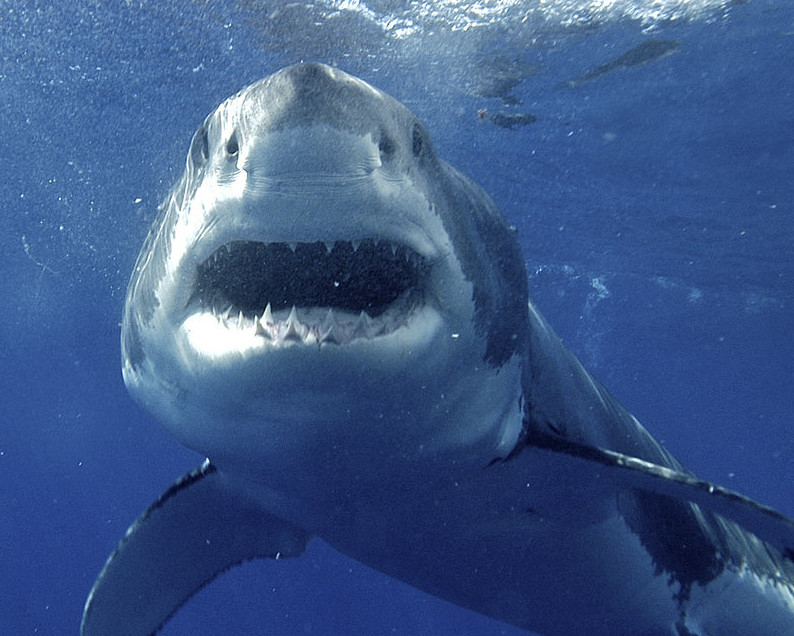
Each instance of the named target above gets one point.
<point>292,329</point>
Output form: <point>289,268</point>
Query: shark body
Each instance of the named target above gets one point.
<point>340,322</point>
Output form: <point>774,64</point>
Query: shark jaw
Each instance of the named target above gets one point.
<point>313,357</point>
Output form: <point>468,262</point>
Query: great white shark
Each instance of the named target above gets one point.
<point>340,322</point>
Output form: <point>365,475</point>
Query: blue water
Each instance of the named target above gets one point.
<point>655,206</point>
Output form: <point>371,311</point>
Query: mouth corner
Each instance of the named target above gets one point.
<point>323,293</point>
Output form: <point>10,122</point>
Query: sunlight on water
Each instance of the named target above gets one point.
<point>401,19</point>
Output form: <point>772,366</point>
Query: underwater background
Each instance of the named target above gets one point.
<point>644,151</point>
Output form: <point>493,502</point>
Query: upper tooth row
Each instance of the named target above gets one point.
<point>329,245</point>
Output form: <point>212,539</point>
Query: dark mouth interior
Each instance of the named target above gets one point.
<point>363,276</point>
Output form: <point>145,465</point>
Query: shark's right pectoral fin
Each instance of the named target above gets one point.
<point>196,530</point>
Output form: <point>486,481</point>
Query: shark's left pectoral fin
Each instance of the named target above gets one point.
<point>764,522</point>
<point>197,529</point>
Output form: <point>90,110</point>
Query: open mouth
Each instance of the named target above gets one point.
<point>319,292</point>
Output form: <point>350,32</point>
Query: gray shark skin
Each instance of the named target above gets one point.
<point>340,322</point>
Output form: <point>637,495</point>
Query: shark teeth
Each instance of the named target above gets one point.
<point>335,327</point>
<point>294,328</point>
<point>354,275</point>
<point>319,326</point>
<point>321,292</point>
<point>326,331</point>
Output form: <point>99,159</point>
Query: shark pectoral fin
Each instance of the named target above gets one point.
<point>764,522</point>
<point>191,534</point>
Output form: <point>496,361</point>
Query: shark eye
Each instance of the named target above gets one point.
<point>232,146</point>
<point>386,146</point>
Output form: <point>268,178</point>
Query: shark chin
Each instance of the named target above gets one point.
<point>340,322</point>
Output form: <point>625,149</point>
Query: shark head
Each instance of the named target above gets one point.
<point>321,290</point>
